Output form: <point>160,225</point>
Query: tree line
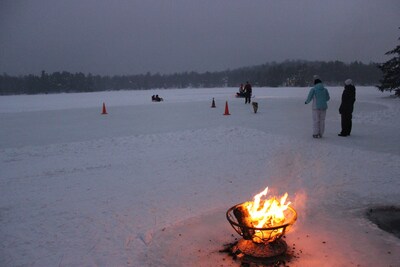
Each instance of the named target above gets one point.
<point>289,73</point>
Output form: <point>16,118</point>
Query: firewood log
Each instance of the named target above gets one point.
<point>243,217</point>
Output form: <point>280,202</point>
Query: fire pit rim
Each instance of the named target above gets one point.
<point>260,229</point>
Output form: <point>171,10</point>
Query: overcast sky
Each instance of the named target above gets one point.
<point>167,36</point>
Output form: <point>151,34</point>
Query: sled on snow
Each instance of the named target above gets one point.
<point>242,95</point>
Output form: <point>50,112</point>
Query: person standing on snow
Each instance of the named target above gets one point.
<point>247,93</point>
<point>346,107</point>
<point>320,96</point>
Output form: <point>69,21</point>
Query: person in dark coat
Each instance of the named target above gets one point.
<point>247,93</point>
<point>346,107</point>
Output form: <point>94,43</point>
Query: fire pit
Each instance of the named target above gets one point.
<point>262,224</point>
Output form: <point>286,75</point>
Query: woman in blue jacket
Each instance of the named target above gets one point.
<point>320,96</point>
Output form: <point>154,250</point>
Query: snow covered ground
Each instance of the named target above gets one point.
<point>149,183</point>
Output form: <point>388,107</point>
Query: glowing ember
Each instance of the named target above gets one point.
<point>267,213</point>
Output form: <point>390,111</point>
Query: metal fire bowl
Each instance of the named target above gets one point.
<point>268,234</point>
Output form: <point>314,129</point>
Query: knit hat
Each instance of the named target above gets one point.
<point>348,82</point>
<point>317,79</point>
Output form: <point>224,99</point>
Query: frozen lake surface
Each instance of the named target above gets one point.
<point>148,184</point>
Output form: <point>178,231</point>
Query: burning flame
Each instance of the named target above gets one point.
<point>266,213</point>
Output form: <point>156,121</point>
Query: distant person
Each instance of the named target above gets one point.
<point>241,88</point>
<point>346,107</point>
<point>247,93</point>
<point>241,91</point>
<point>158,99</point>
<point>320,96</point>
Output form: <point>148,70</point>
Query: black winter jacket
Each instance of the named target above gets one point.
<point>348,99</point>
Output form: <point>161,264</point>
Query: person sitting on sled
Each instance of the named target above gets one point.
<point>241,91</point>
<point>156,98</point>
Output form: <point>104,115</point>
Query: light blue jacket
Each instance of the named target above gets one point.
<point>320,95</point>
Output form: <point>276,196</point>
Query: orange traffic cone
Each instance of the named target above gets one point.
<point>213,103</point>
<point>104,109</point>
<point>226,109</point>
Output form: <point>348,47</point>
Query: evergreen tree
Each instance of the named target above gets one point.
<point>391,72</point>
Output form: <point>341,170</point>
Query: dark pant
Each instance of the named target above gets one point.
<point>346,123</point>
<point>247,98</point>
